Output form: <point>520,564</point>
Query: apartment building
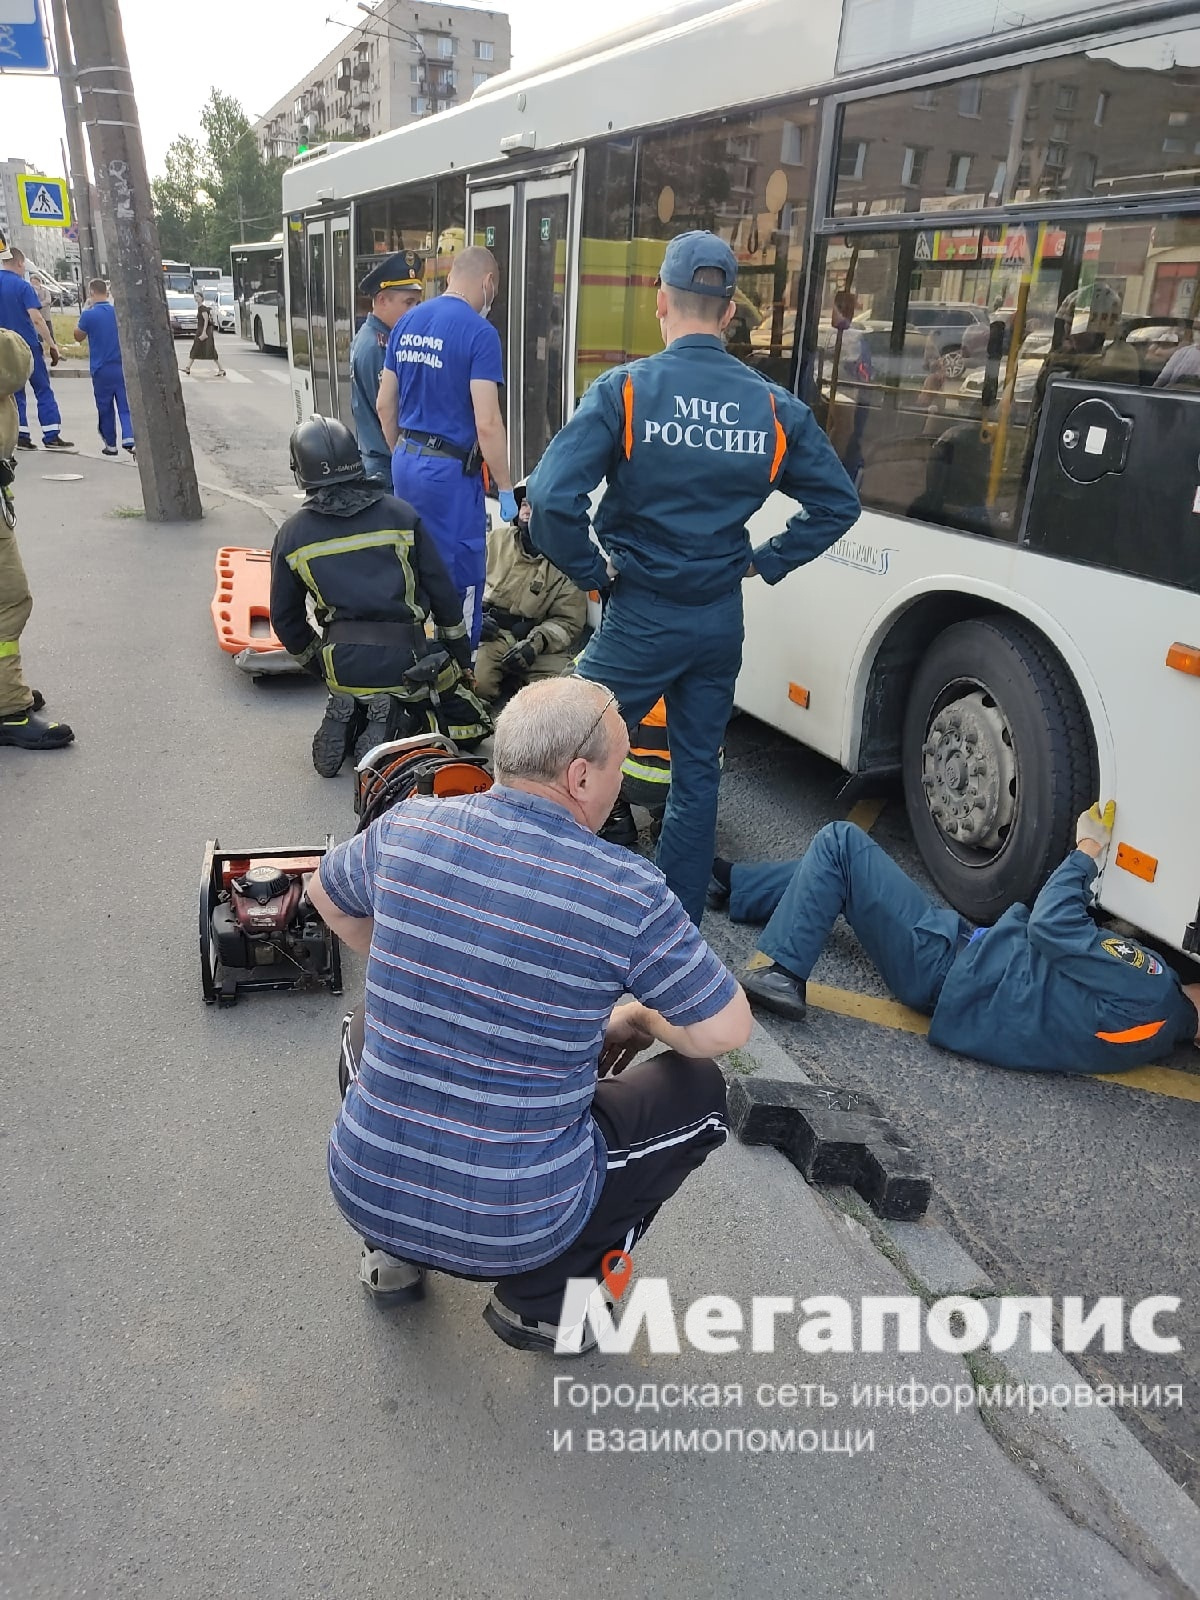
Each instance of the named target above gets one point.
<point>407,61</point>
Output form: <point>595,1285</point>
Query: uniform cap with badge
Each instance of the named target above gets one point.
<point>404,269</point>
<point>688,253</point>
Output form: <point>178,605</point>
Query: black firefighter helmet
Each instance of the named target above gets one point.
<point>324,452</point>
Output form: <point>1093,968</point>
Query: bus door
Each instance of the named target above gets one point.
<point>528,227</point>
<point>329,263</point>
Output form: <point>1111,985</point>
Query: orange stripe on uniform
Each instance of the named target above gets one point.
<point>780,442</point>
<point>627,394</point>
<point>1133,1035</point>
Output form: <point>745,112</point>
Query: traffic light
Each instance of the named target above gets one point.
<point>308,127</point>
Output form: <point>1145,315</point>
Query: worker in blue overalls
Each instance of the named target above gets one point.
<point>393,286</point>
<point>21,312</point>
<point>1044,990</point>
<point>97,327</point>
<point>439,406</point>
<point>691,443</point>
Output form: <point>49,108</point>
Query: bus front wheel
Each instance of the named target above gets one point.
<point>258,335</point>
<point>997,763</point>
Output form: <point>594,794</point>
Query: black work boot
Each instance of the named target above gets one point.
<point>29,730</point>
<point>621,828</point>
<point>775,989</point>
<point>375,729</point>
<point>334,739</point>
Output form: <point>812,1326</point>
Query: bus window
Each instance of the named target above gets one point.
<point>399,221</point>
<point>936,347</point>
<point>451,231</point>
<point>546,243</point>
<point>491,227</point>
<point>297,291</point>
<point>746,178</point>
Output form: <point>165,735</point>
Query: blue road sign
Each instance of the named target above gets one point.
<point>23,43</point>
<point>43,201</point>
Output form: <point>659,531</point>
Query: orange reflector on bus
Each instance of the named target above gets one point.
<point>1184,658</point>
<point>1138,862</point>
<point>798,696</point>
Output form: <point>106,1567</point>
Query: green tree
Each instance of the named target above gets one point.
<point>217,191</point>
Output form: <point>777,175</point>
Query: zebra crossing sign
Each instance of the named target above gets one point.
<point>44,202</point>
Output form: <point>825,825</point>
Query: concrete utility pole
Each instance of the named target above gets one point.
<point>164,450</point>
<point>81,190</point>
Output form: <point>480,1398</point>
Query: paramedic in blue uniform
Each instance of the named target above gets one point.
<point>1045,990</point>
<point>21,312</point>
<point>439,406</point>
<point>393,286</point>
<point>97,327</point>
<point>692,443</point>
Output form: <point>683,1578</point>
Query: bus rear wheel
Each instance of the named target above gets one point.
<point>997,763</point>
<point>258,335</point>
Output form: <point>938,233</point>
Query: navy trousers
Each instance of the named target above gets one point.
<point>108,386</point>
<point>450,504</point>
<point>844,873</point>
<point>648,648</point>
<point>48,414</point>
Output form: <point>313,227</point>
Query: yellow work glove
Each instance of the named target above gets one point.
<point>1096,827</point>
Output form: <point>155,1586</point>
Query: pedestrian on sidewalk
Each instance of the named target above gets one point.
<point>488,1129</point>
<point>204,345</point>
<point>1044,990</point>
<point>21,313</point>
<point>21,721</point>
<point>97,326</point>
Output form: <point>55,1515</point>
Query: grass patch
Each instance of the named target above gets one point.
<point>62,325</point>
<point>126,513</point>
<point>739,1063</point>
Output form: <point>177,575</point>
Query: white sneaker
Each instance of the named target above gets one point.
<point>389,1280</point>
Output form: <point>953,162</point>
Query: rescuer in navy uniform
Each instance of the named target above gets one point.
<point>439,406</point>
<point>1045,989</point>
<point>691,442</point>
<point>393,286</point>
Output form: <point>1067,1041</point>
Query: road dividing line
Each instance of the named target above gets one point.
<point>866,1008</point>
<point>1168,1081</point>
<point>279,377</point>
<point>865,814</point>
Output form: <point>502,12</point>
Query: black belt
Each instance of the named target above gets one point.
<point>510,621</point>
<point>402,635</point>
<point>433,444</point>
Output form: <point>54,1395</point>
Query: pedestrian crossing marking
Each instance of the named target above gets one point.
<point>43,201</point>
<point>279,377</point>
<point>236,377</point>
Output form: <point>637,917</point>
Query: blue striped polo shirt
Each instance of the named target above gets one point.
<point>505,932</point>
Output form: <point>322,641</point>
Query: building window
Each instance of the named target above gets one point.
<point>447,46</point>
<point>1056,155</point>
<point>1174,147</point>
<point>912,173</point>
<point>420,105</point>
<point>925,100</point>
<point>1102,100</point>
<point>1065,96</point>
<point>852,158</point>
<point>480,78</point>
<point>970,98</point>
<point>791,152</point>
<point>1177,119</point>
<point>485,50</point>
<point>414,71</point>
<point>960,171</point>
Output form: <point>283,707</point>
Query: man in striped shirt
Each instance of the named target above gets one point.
<point>478,1136</point>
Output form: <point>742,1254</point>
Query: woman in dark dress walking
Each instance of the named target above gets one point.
<point>204,345</point>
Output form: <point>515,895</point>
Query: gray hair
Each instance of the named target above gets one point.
<point>547,726</point>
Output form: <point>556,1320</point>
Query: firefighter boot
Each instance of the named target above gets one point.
<point>334,739</point>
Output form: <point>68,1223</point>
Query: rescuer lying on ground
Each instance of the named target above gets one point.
<point>475,1137</point>
<point>375,574</point>
<point>1043,990</point>
<point>532,612</point>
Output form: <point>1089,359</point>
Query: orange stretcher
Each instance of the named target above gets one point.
<point>241,606</point>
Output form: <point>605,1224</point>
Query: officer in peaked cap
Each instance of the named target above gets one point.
<point>691,443</point>
<point>394,286</point>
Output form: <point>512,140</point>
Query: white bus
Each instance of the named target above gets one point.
<point>258,292</point>
<point>936,210</point>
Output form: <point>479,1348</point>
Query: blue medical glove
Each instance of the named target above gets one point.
<point>508,505</point>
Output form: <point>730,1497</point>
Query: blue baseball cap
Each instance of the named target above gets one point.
<point>688,252</point>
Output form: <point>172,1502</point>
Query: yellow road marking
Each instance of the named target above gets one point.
<point>867,1008</point>
<point>1156,1080</point>
<point>865,813</point>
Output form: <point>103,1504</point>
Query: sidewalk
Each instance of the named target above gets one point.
<point>200,1402</point>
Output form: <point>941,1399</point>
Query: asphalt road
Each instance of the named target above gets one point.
<point>1056,1185</point>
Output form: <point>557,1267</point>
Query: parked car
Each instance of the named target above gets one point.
<point>227,308</point>
<point>181,308</point>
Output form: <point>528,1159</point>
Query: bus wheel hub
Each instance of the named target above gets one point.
<point>969,772</point>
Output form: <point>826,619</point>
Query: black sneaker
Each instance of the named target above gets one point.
<point>129,447</point>
<point>775,989</point>
<point>375,728</point>
<point>24,442</point>
<point>109,450</point>
<point>29,730</point>
<point>334,739</point>
<point>524,1333</point>
<point>57,443</point>
<point>621,828</point>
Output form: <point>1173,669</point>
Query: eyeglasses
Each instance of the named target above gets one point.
<point>577,753</point>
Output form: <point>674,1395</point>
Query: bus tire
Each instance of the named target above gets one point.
<point>258,334</point>
<point>997,763</point>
